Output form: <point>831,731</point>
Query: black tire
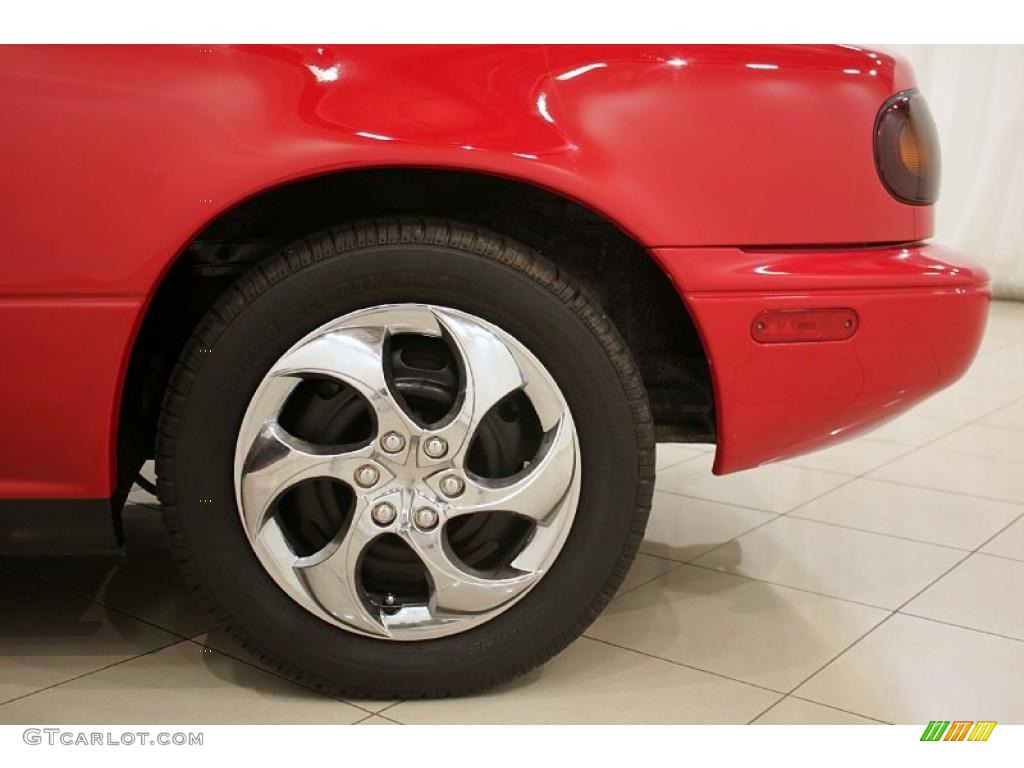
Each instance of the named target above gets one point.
<point>357,266</point>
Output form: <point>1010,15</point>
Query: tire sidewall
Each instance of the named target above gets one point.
<point>287,304</point>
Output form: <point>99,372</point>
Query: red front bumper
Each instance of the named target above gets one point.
<point>922,313</point>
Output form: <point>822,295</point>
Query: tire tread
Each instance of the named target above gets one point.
<point>335,242</point>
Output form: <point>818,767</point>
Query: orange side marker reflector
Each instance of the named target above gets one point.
<point>787,326</point>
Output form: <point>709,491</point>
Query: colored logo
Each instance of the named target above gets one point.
<point>958,730</point>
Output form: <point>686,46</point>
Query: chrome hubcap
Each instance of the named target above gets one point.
<point>410,482</point>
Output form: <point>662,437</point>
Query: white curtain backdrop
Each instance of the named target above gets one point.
<point>976,93</point>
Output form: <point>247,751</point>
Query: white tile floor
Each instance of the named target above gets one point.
<point>881,580</point>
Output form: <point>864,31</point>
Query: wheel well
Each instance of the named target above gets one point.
<point>615,269</point>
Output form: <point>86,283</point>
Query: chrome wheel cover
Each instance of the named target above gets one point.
<point>411,485</point>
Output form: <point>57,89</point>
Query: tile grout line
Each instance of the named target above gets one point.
<point>876,626</point>
<point>730,541</point>
<point>944,435</point>
<point>847,479</point>
<point>913,450</point>
<point>953,427</point>
<point>899,608</point>
<point>905,454</point>
<point>789,696</point>
<point>691,561</point>
<point>806,591</point>
<point>972,553</point>
<point>748,577</point>
<point>675,464</point>
<point>839,709</point>
<point>676,565</point>
<point>770,707</point>
<point>177,641</point>
<point>961,452</point>
<point>1001,499</point>
<point>745,507</point>
<point>892,612</point>
<point>794,516</point>
<point>182,637</point>
<point>275,673</point>
<point>70,591</point>
<point>683,665</point>
<point>851,478</point>
<point>839,655</point>
<point>663,557</point>
<point>776,515</point>
<point>993,554</point>
<point>376,714</point>
<point>995,410</point>
<point>392,705</point>
<point>961,626</point>
<point>775,518</point>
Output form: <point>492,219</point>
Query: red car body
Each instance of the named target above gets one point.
<point>746,172</point>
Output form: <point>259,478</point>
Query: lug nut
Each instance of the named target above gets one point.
<point>452,486</point>
<point>383,513</point>
<point>435,447</point>
<point>392,442</point>
<point>367,475</point>
<point>426,518</point>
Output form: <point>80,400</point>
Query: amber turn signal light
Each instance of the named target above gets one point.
<point>787,326</point>
<point>907,149</point>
